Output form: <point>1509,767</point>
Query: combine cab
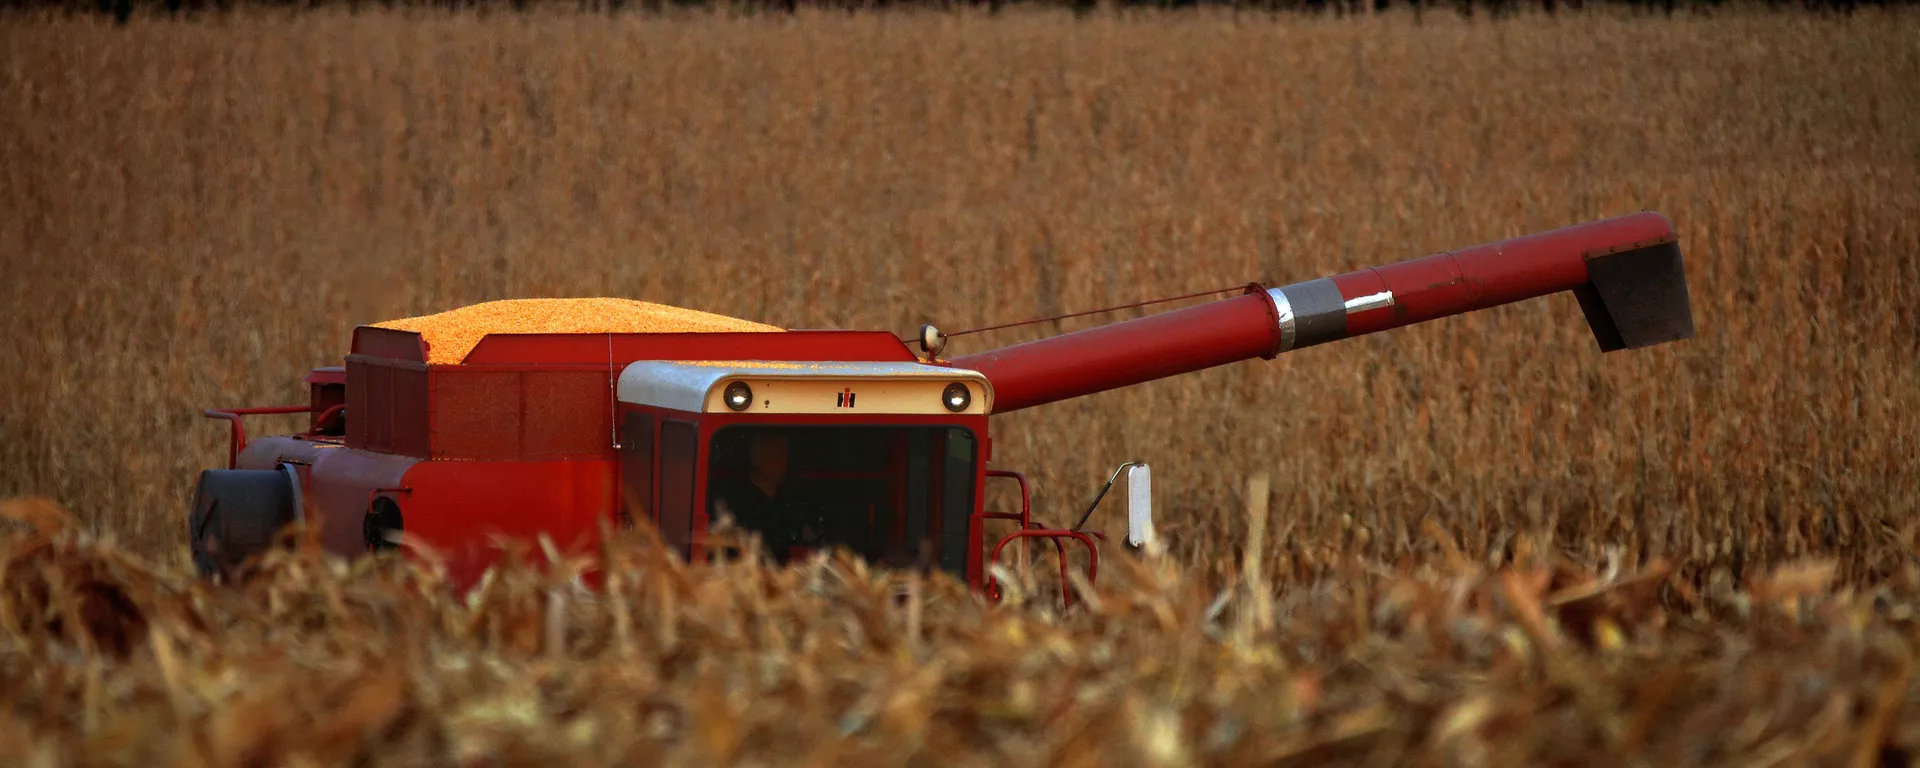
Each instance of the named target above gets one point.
<point>813,439</point>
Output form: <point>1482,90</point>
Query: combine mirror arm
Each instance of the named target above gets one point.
<point>1103,493</point>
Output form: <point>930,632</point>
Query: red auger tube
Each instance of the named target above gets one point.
<point>1626,272</point>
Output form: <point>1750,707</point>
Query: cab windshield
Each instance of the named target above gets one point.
<point>882,492</point>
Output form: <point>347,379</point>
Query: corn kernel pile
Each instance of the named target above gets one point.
<point>452,334</point>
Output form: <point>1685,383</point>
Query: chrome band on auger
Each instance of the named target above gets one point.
<point>1369,301</point>
<point>1283,314</point>
<point>1318,312</point>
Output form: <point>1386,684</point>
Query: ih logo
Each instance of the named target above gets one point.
<point>845,399</point>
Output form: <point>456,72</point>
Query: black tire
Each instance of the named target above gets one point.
<point>236,514</point>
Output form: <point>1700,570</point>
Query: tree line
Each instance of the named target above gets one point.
<point>124,10</point>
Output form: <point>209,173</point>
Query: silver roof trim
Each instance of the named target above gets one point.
<point>688,385</point>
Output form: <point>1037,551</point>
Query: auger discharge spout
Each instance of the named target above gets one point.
<point>1626,272</point>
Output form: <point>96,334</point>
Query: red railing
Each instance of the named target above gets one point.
<point>1034,530</point>
<point>1026,499</point>
<point>237,431</point>
<point>1055,535</point>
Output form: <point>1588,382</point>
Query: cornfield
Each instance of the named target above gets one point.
<point>1473,541</point>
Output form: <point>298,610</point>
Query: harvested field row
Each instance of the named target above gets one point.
<point>110,659</point>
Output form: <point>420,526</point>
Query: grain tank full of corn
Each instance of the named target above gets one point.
<point>570,417</point>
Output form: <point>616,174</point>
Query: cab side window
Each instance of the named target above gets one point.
<point>636,470</point>
<point>679,454</point>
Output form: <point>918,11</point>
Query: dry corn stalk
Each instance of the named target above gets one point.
<point>823,661</point>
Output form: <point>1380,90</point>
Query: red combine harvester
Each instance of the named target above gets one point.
<point>814,438</point>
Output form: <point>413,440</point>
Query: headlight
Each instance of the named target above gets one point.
<point>738,396</point>
<point>957,397</point>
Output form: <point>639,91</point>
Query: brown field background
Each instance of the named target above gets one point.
<point>194,213</point>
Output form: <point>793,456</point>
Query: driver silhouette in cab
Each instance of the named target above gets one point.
<point>756,500</point>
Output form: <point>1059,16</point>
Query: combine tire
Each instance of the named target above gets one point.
<point>236,513</point>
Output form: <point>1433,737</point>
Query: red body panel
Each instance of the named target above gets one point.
<point>455,507</point>
<point>515,443</point>
<point>541,395</point>
<point>459,508</point>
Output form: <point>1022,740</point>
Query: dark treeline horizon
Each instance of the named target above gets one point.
<point>125,10</point>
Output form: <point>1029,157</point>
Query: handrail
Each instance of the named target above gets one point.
<point>237,431</point>
<point>1026,498</point>
<point>986,580</point>
<point>1025,518</point>
<point>1054,534</point>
